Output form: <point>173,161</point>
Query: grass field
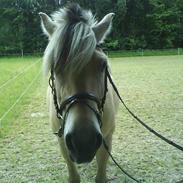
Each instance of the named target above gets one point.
<point>16,75</point>
<point>151,86</point>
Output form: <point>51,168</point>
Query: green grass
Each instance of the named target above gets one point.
<point>16,74</point>
<point>151,86</point>
<point>11,66</point>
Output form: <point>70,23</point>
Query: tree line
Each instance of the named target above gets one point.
<point>145,24</point>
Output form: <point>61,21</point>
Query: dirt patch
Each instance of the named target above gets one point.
<point>30,152</point>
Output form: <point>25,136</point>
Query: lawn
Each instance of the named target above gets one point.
<point>16,75</point>
<point>151,86</point>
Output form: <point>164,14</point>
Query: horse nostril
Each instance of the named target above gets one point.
<point>68,139</point>
<point>99,140</point>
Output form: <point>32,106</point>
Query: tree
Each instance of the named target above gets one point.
<point>137,23</point>
<point>163,20</point>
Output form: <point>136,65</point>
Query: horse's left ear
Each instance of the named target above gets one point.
<point>47,24</point>
<point>102,29</point>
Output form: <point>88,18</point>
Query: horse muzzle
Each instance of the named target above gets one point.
<point>83,144</point>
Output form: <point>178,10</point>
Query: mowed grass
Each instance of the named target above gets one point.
<point>151,86</point>
<point>16,75</point>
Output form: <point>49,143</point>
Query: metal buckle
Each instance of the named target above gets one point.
<point>59,133</point>
<point>60,116</point>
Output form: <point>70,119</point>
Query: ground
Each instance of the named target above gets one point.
<point>151,87</point>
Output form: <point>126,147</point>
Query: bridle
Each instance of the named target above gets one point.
<point>64,107</point>
<point>81,97</point>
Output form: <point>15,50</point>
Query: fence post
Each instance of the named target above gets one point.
<point>142,52</point>
<point>22,53</point>
<point>178,51</point>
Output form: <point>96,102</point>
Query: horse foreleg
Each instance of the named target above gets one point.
<point>73,173</point>
<point>102,158</point>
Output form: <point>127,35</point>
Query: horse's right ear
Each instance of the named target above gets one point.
<point>103,28</point>
<point>47,24</point>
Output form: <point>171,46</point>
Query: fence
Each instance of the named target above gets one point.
<point>145,52</point>
<point>118,53</point>
<point>21,54</point>
<point>23,93</point>
<point>17,75</point>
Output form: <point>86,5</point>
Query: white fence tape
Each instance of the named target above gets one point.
<point>16,76</point>
<point>19,98</point>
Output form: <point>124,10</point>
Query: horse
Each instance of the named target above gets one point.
<point>81,109</point>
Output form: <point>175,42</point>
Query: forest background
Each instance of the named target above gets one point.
<point>138,24</point>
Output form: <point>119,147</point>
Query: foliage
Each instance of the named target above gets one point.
<point>146,24</point>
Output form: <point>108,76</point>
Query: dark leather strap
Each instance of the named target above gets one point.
<point>78,97</point>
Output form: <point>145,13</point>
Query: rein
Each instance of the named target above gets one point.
<point>140,121</point>
<point>82,97</point>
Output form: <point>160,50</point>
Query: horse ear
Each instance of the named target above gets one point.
<point>102,29</point>
<point>47,24</point>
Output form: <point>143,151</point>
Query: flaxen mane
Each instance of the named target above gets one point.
<point>73,42</point>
